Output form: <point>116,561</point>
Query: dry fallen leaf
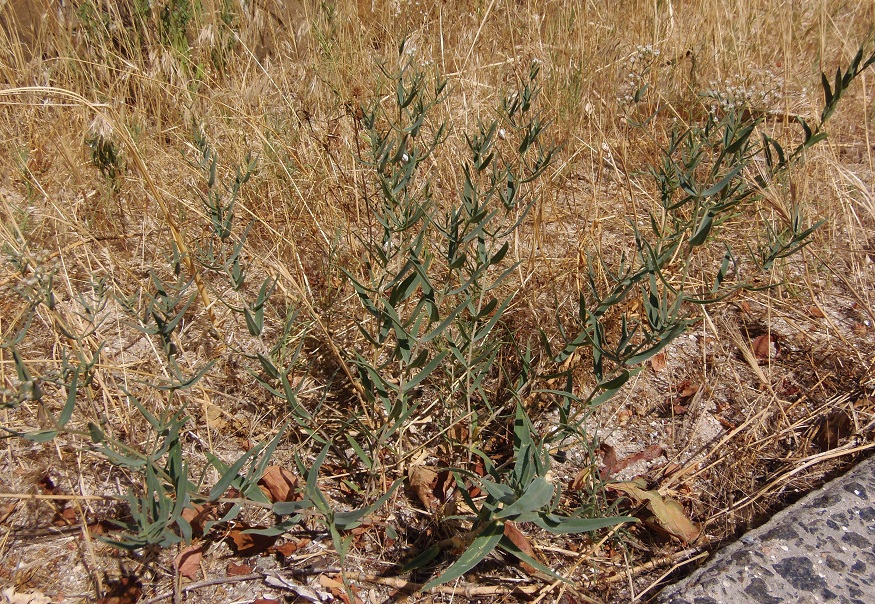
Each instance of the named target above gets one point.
<point>765,347</point>
<point>815,312</point>
<point>66,517</point>
<point>423,481</point>
<point>127,590</point>
<point>6,511</point>
<point>518,539</point>
<point>248,544</point>
<point>213,416</point>
<point>658,362</point>
<point>289,548</point>
<point>279,484</point>
<point>197,516</point>
<point>188,562</point>
<point>687,389</point>
<point>10,597</point>
<point>669,513</point>
<point>834,428</point>
<point>235,570</point>
<point>609,460</point>
<point>338,590</point>
<point>648,454</point>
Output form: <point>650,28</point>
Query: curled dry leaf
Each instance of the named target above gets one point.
<point>10,597</point>
<point>289,548</point>
<point>338,590</point>
<point>126,590</point>
<point>518,539</point>
<point>236,570</point>
<point>423,480</point>
<point>648,454</point>
<point>766,347</point>
<point>581,479</point>
<point>658,362</point>
<point>197,516</point>
<point>6,511</point>
<point>248,544</point>
<point>279,484</point>
<point>669,513</point>
<point>188,561</point>
<point>213,416</point>
<point>609,460</point>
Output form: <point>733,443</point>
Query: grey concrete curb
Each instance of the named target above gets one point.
<point>821,549</point>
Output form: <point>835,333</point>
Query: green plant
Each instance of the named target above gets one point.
<point>523,493</point>
<point>704,182</point>
<point>106,157</point>
<point>435,289</point>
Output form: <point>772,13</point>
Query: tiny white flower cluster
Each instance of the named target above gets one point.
<point>635,69</point>
<point>760,90</point>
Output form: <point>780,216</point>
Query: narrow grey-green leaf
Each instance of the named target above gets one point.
<point>480,547</point>
<point>230,474</point>
<point>703,230</point>
<point>67,411</point>
<point>511,547</point>
<point>422,559</point>
<point>538,494</point>
<point>482,333</point>
<point>426,371</point>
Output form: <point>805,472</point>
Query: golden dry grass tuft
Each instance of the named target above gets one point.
<point>767,394</point>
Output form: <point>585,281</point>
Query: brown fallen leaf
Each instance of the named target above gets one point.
<point>126,590</point>
<point>235,570</point>
<point>815,312</point>
<point>648,454</point>
<point>34,597</point>
<point>581,479</point>
<point>338,589</point>
<point>248,544</point>
<point>669,513</point>
<point>289,548</point>
<point>423,480</point>
<point>279,484</point>
<point>687,389</point>
<point>609,460</point>
<point>480,470</point>
<point>188,561</point>
<point>66,517</point>
<point>265,601</point>
<point>834,428</point>
<point>766,347</point>
<point>518,539</point>
<point>6,511</point>
<point>197,516</point>
<point>658,362</point>
<point>213,416</point>
<point>446,485</point>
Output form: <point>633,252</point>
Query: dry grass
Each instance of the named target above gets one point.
<point>739,437</point>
